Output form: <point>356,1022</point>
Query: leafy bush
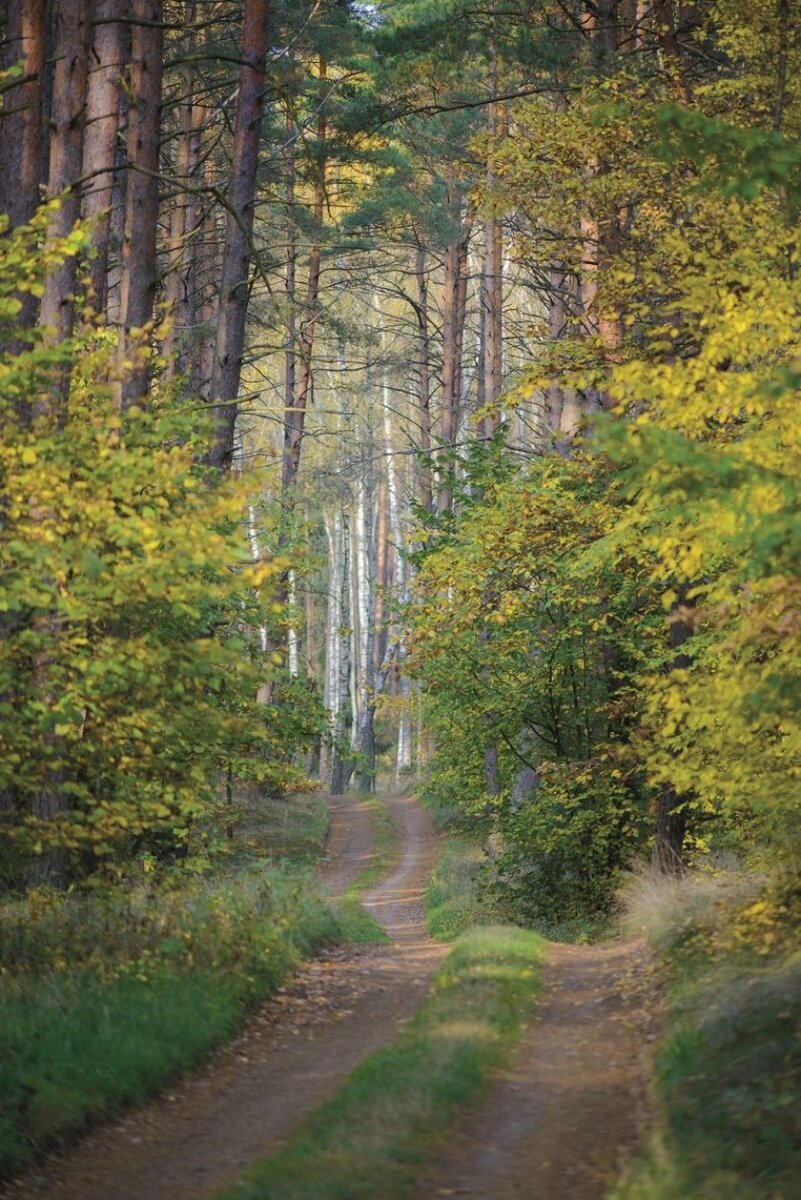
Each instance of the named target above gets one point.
<point>130,663</point>
<point>523,641</point>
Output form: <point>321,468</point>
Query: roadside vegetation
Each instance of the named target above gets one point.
<point>370,1138</point>
<point>455,899</point>
<point>291,829</point>
<point>729,1068</point>
<point>105,997</point>
<point>470,886</point>
<point>103,1001</point>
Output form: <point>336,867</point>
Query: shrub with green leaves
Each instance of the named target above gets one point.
<point>130,661</point>
<point>522,639</point>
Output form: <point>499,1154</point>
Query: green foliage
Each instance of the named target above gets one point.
<point>549,597</point>
<point>370,1137</point>
<point>564,851</point>
<point>103,1000</point>
<point>711,475</point>
<point>130,664</point>
<point>522,635</point>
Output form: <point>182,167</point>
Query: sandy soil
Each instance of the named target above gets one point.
<point>558,1123</point>
<point>294,1052</point>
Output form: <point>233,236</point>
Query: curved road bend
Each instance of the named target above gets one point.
<point>294,1052</point>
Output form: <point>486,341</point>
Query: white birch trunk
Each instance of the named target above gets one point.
<point>333,697</point>
<point>292,632</point>
<point>403,754</point>
<point>252,531</point>
<point>340,656</point>
<point>364,595</point>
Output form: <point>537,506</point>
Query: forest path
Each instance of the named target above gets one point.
<point>558,1123</point>
<point>294,1052</point>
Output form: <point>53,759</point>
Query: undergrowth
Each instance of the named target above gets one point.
<point>103,1000</point>
<point>455,900</point>
<point>467,889</point>
<point>729,1069</point>
<point>291,829</point>
<point>368,1140</point>
<point>106,997</point>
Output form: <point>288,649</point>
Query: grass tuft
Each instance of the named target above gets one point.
<point>397,1106</point>
<point>666,909</point>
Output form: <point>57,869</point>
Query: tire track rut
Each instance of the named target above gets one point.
<point>294,1052</point>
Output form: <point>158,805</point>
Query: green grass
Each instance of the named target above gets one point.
<point>102,1002</point>
<point>73,1048</point>
<point>729,1069</point>
<point>291,828</point>
<point>455,900</point>
<point>105,998</point>
<point>371,1137</point>
<point>355,922</point>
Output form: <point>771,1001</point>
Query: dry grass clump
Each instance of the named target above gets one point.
<point>666,909</point>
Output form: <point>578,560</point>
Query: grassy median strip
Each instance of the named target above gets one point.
<point>355,922</point>
<point>372,1136</point>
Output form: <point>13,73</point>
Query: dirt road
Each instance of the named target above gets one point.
<point>557,1124</point>
<point>293,1053</point>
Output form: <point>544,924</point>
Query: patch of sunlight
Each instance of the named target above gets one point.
<point>463,1030</point>
<point>493,971</point>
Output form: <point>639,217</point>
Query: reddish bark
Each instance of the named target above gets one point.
<point>230,343</point>
<point>492,307</point>
<point>453,337</point>
<point>21,127</point>
<point>100,137</point>
<point>73,33</point>
<point>139,276</point>
<point>424,376</point>
<point>295,420</point>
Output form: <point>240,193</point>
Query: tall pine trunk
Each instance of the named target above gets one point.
<point>57,314</point>
<point>21,137</point>
<point>181,275</point>
<point>234,283</point>
<point>100,138</point>
<point>423,377</point>
<point>73,33</point>
<point>139,272</point>
<point>295,419</point>
<point>453,323</point>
